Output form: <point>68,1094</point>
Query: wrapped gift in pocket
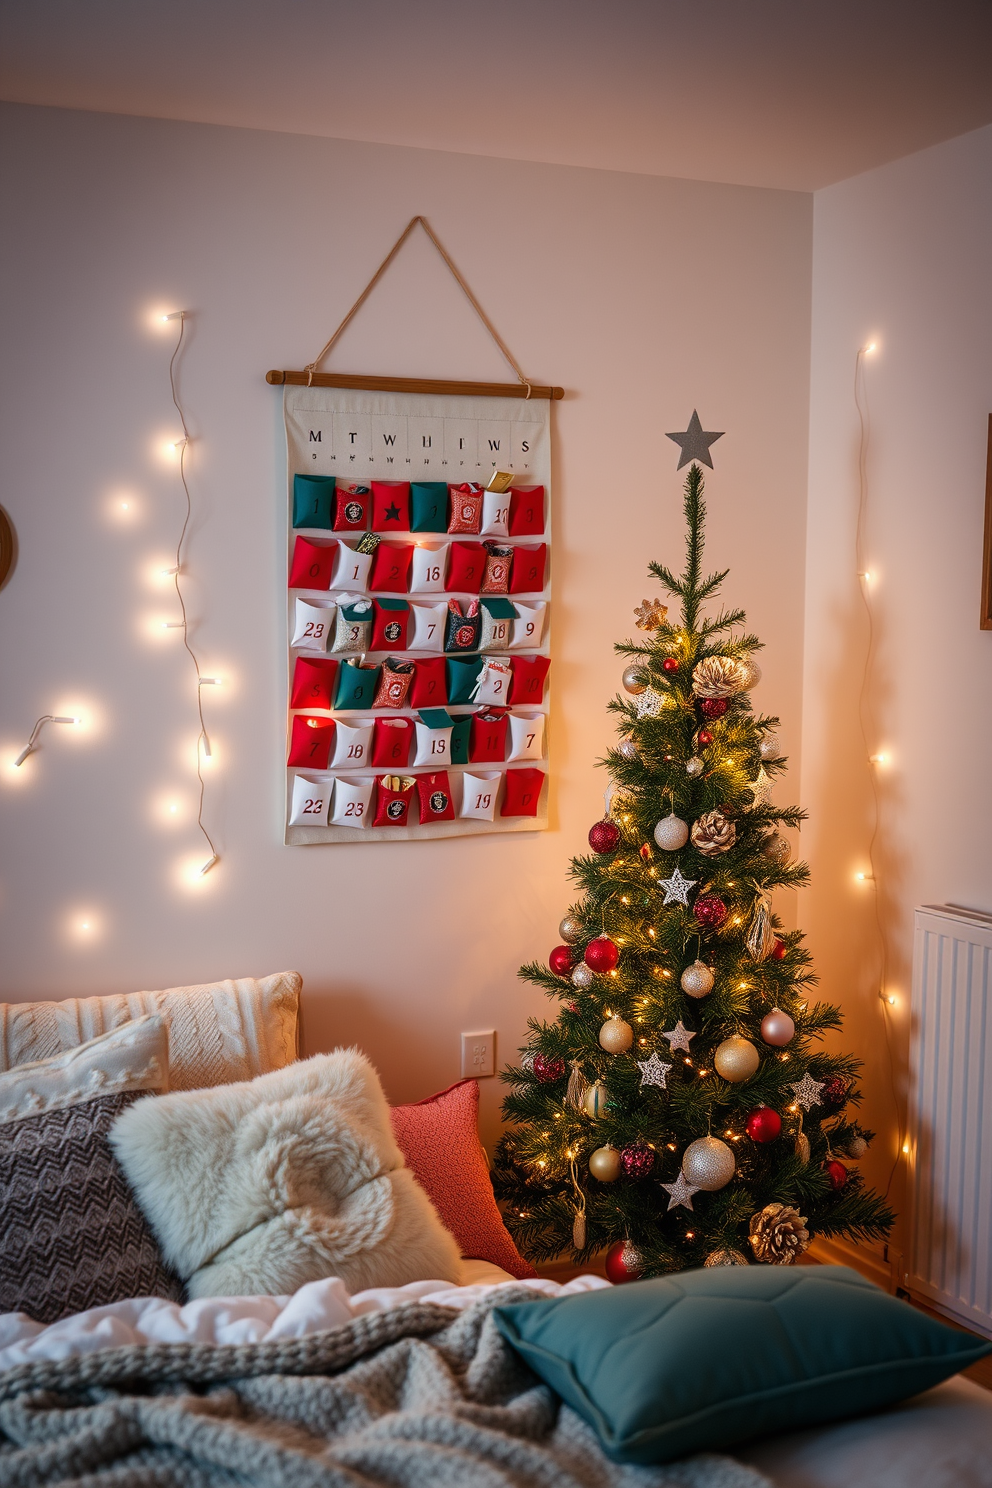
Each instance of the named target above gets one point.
<point>466,507</point>
<point>313,625</point>
<point>479,796</point>
<point>389,628</point>
<point>352,507</point>
<point>492,685</point>
<point>526,511</point>
<point>352,743</point>
<point>529,673</point>
<point>527,571</point>
<point>428,506</point>
<point>428,627</point>
<point>313,500</point>
<point>357,684</point>
<point>464,626</point>
<point>391,568</point>
<point>310,744</point>
<point>391,506</point>
<point>391,741</point>
<point>498,616</point>
<point>495,514</point>
<point>430,686</point>
<point>528,627</point>
<point>313,683</point>
<point>353,631</point>
<point>393,799</point>
<point>526,736</point>
<point>496,577</point>
<point>394,683</point>
<point>461,733</point>
<point>312,564</point>
<point>352,802</point>
<point>466,566</point>
<point>427,568</point>
<point>462,677</point>
<point>488,741</point>
<point>311,801</point>
<point>351,570</point>
<point>523,792</point>
<point>434,737</point>
<point>435,797</point>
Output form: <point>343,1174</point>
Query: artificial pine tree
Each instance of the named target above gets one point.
<point>679,1110</point>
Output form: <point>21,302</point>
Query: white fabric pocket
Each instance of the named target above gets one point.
<point>353,744</point>
<point>495,513</point>
<point>526,736</point>
<point>479,796</point>
<point>351,569</point>
<point>311,801</point>
<point>428,627</point>
<point>493,685</point>
<point>528,627</point>
<point>433,746</point>
<point>351,802</point>
<point>312,626</point>
<point>427,568</point>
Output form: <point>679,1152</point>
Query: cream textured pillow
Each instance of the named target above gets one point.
<point>135,1057</point>
<point>263,1186</point>
<point>218,1032</point>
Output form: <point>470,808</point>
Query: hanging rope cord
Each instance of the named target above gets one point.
<point>311,367</point>
<point>203,738</point>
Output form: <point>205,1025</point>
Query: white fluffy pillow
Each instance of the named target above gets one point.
<point>262,1186</point>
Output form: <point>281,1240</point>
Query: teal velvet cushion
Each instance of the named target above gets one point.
<point>703,1359</point>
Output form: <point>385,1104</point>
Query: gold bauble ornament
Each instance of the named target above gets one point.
<point>634,680</point>
<point>736,1059</point>
<point>570,929</point>
<point>697,980</point>
<point>596,1102</point>
<point>604,1164</point>
<point>726,1258</point>
<point>776,848</point>
<point>616,1036</point>
<point>708,1163</point>
<point>752,672</point>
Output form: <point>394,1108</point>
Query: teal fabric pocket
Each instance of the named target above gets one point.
<point>429,506</point>
<point>356,685</point>
<point>460,740</point>
<point>313,500</point>
<point>462,677</point>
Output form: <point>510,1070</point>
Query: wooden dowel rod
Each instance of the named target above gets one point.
<point>414,385</point>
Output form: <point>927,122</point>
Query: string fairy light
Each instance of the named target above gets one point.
<point>203,748</point>
<point>866,578</point>
<point>32,743</point>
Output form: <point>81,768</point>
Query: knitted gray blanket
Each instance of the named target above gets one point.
<point>421,1396</point>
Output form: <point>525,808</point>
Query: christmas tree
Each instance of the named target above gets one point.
<point>680,1110</point>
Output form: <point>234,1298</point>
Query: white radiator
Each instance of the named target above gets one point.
<point>950,1114</point>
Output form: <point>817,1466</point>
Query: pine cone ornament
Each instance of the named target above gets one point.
<point>713,834</point>
<point>719,677</point>
<point>778,1234</point>
<point>650,614</point>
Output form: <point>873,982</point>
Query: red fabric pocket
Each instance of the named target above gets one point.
<point>526,511</point>
<point>522,793</point>
<point>389,626</point>
<point>310,746</point>
<point>487,738</point>
<point>390,506</point>
<point>466,566</point>
<point>529,673</point>
<point>391,740</point>
<point>393,799</point>
<point>435,797</point>
<point>352,507</point>
<point>430,683</point>
<point>312,564</point>
<point>527,573</point>
<point>391,567</point>
<point>313,683</point>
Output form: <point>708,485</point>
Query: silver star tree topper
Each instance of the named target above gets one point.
<point>695,442</point>
<point>677,888</point>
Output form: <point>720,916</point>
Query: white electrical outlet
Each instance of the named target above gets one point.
<point>479,1054</point>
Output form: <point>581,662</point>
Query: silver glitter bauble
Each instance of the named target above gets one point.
<point>736,1059</point>
<point>628,749</point>
<point>616,1036</point>
<point>726,1258</point>
<point>570,929</point>
<point>671,833</point>
<point>634,680</point>
<point>708,1163</point>
<point>582,976</point>
<point>697,980</point>
<point>857,1147</point>
<point>770,748</point>
<point>694,766</point>
<point>604,1164</point>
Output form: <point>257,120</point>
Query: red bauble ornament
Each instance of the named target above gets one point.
<point>710,910</point>
<point>837,1173</point>
<point>834,1092</point>
<point>637,1160</point>
<point>704,737</point>
<point>669,664</point>
<point>713,707</point>
<point>604,836</point>
<point>778,950</point>
<point>624,1262</point>
<point>764,1124</point>
<point>548,1068</point>
<point>647,852</point>
<point>561,960</point>
<point>601,954</point>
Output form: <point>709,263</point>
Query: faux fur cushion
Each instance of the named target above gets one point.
<point>262,1186</point>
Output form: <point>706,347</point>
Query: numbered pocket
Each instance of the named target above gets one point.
<point>310,742</point>
<point>464,626</point>
<point>434,738</point>
<point>492,685</point>
<point>522,792</point>
<point>311,802</point>
<point>427,568</point>
<point>529,673</point>
<point>428,627</point>
<point>487,743</point>
<point>391,568</point>
<point>434,791</point>
<point>498,616</point>
<point>528,627</point>
<point>430,684</point>
<point>351,567</point>
<point>462,677</point>
<point>392,739</point>
<point>479,796</point>
<point>428,506</point>
<point>460,736</point>
<point>393,798</point>
<point>313,500</point>
<point>496,577</point>
<point>312,564</point>
<point>313,683</point>
<point>357,685</point>
<point>466,507</point>
<point>352,507</point>
<point>390,624</point>
<point>527,569</point>
<point>526,511</point>
<point>466,566</point>
<point>495,514</point>
<point>352,744</point>
<point>394,683</point>
<point>526,736</point>
<point>353,628</point>
<point>391,506</point>
<point>313,625</point>
<point>352,802</point>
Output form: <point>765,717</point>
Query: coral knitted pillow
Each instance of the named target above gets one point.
<point>439,1138</point>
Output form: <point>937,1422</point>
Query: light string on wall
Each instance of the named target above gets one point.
<point>874,759</point>
<point>33,743</point>
<point>203,747</point>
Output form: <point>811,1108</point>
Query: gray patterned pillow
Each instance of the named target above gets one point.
<point>72,1236</point>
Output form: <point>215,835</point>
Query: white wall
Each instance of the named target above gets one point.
<point>643,297</point>
<point>901,256</point>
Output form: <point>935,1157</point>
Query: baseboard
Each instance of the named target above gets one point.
<point>871,1263</point>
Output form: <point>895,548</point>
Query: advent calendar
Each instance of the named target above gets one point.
<point>418,612</point>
